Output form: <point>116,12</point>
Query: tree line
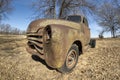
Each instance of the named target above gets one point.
<point>7,29</point>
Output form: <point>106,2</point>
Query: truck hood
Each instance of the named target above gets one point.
<point>41,23</point>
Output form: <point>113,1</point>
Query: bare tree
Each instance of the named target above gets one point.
<point>49,8</point>
<point>75,6</point>
<point>5,8</point>
<point>108,18</point>
<point>1,28</point>
<point>45,8</point>
<point>5,28</point>
<point>117,5</point>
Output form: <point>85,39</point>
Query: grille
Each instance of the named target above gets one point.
<point>35,41</point>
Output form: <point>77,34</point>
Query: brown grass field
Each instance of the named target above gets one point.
<point>100,63</point>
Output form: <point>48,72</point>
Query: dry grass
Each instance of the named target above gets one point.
<point>100,63</point>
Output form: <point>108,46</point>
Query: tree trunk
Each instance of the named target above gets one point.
<point>61,9</point>
<point>113,31</point>
<point>54,15</point>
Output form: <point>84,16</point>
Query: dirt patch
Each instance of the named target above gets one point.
<point>100,63</point>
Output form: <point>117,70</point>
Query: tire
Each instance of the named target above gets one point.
<point>92,43</point>
<point>71,60</point>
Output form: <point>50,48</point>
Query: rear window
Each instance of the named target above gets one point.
<point>85,21</point>
<point>74,18</point>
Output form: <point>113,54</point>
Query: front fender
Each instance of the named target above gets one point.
<point>59,45</point>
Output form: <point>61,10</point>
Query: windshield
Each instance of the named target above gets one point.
<point>74,18</point>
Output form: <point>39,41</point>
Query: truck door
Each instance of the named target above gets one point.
<point>86,31</point>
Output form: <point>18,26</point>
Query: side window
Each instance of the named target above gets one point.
<point>74,18</point>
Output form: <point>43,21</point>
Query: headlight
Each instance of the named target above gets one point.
<point>47,34</point>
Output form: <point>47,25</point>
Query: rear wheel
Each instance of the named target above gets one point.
<point>92,43</point>
<point>71,59</point>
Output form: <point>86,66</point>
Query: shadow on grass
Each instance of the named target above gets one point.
<point>38,59</point>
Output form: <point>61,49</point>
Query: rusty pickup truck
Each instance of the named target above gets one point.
<point>59,42</point>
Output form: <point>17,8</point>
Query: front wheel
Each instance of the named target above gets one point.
<point>71,59</point>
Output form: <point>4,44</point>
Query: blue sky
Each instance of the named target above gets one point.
<point>20,17</point>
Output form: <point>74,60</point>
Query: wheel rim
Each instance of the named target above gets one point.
<point>71,59</point>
